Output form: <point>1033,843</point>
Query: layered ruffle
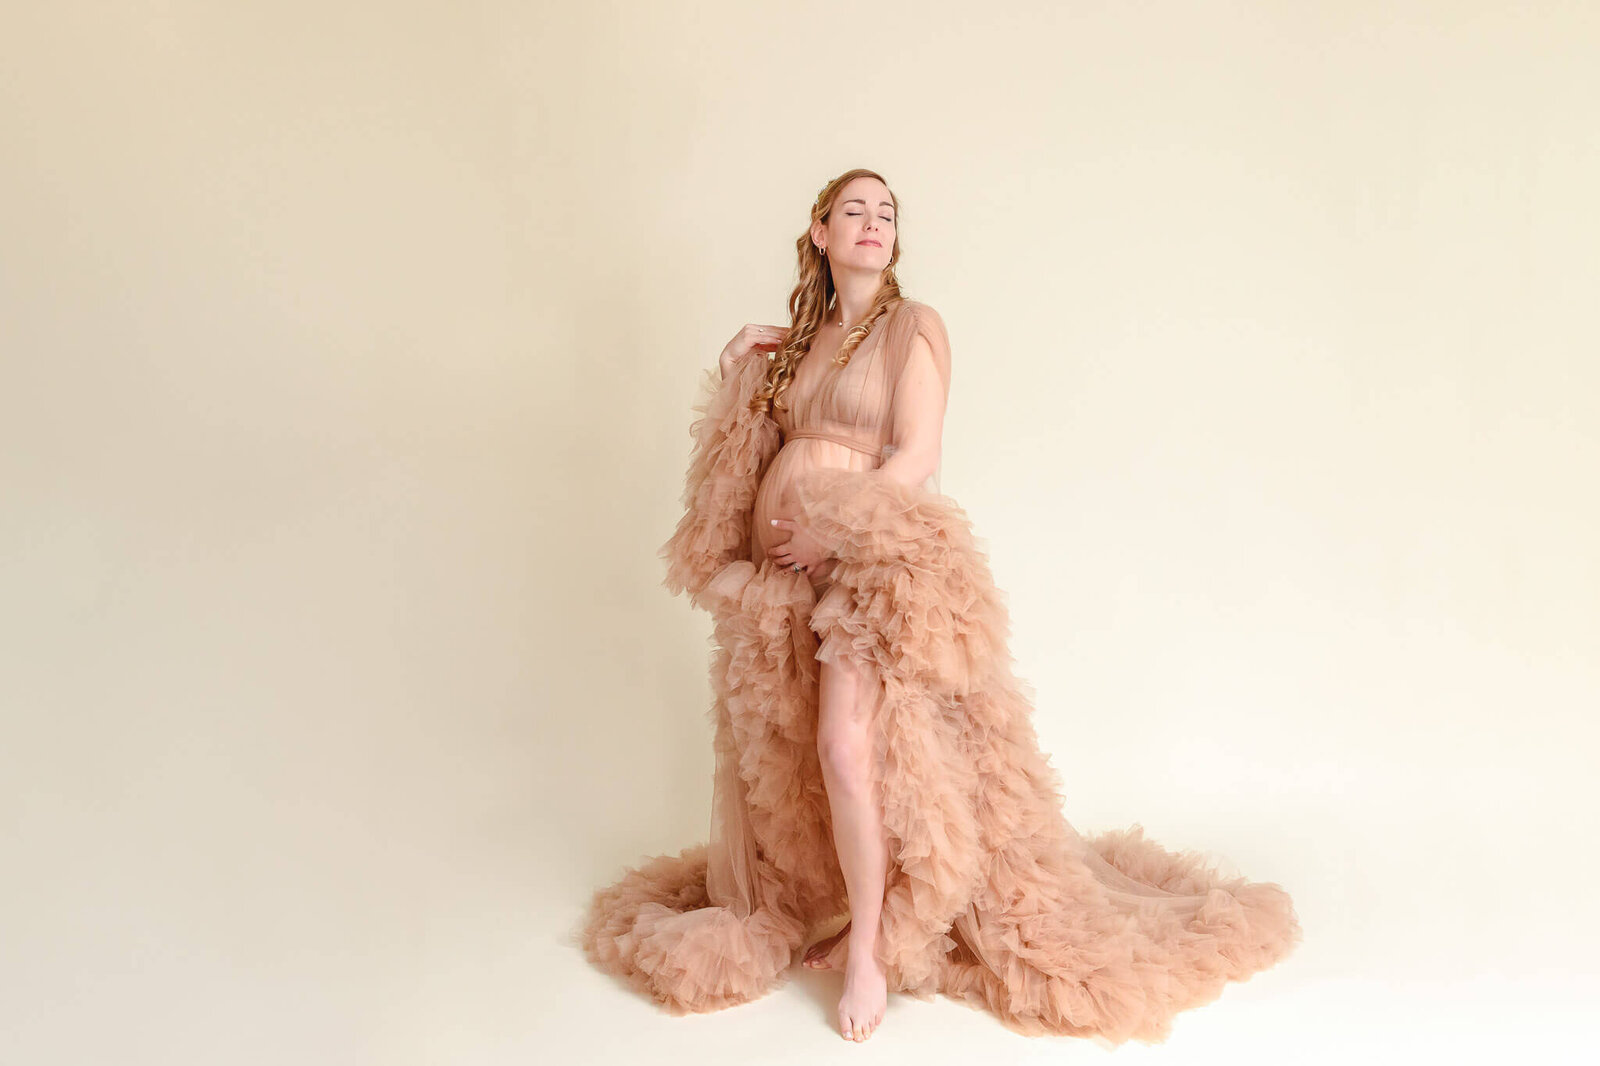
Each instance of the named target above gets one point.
<point>660,927</point>
<point>657,929</point>
<point>732,447</point>
<point>911,591</point>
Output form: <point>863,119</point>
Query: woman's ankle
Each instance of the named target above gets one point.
<point>861,934</point>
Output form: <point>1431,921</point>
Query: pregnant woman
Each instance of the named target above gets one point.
<point>875,754</point>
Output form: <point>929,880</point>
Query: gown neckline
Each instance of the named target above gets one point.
<point>873,332</point>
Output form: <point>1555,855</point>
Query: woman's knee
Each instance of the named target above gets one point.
<point>844,737</point>
<point>846,760</point>
<point>844,745</point>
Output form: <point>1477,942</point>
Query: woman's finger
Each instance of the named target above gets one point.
<point>760,335</point>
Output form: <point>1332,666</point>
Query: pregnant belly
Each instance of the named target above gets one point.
<point>775,498</point>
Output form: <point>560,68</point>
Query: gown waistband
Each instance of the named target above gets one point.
<point>837,438</point>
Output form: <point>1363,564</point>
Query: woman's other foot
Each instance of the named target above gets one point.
<point>816,956</point>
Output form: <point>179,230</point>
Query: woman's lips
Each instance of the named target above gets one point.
<point>871,242</point>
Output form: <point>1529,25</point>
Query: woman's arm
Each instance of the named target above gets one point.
<point>919,405</point>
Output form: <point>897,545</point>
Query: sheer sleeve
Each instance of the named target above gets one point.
<point>732,448</point>
<point>921,394</point>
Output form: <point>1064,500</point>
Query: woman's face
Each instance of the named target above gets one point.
<point>859,233</point>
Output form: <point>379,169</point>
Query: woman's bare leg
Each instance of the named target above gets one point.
<point>844,744</point>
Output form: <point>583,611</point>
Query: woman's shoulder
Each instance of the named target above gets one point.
<point>916,328</point>
<point>915,318</point>
<point>919,316</point>
<point>917,310</point>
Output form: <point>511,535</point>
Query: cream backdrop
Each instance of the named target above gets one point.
<point>348,351</point>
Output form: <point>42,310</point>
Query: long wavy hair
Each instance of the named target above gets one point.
<point>813,298</point>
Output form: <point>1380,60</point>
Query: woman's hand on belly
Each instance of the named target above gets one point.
<point>800,547</point>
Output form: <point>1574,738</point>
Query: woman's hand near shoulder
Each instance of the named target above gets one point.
<point>753,337</point>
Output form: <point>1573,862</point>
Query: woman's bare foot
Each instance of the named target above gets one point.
<point>817,954</point>
<point>866,993</point>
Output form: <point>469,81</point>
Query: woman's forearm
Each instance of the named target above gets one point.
<point>908,466</point>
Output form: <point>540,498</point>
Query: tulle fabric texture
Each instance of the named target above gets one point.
<point>731,853</point>
<point>992,896</point>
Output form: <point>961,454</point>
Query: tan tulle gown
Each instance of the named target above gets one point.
<point>992,896</point>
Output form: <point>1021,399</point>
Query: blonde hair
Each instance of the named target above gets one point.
<point>813,297</point>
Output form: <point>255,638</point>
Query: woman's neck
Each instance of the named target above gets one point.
<point>853,296</point>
